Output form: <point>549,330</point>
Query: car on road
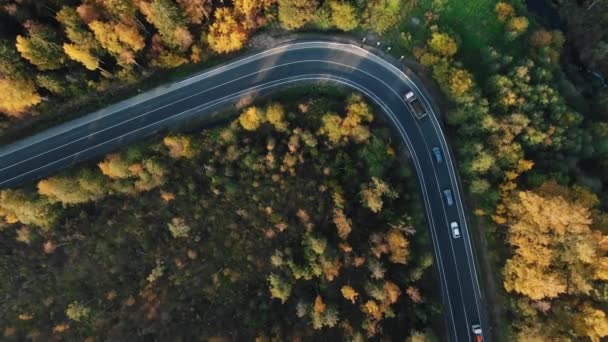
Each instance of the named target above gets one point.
<point>437,153</point>
<point>449,199</point>
<point>455,229</point>
<point>414,104</point>
<point>477,332</point>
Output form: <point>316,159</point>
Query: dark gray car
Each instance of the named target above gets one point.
<point>449,199</point>
<point>437,153</point>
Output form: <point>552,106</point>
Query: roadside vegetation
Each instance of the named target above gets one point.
<point>531,156</point>
<point>297,220</point>
<point>63,57</point>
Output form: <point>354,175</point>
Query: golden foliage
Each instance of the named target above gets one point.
<point>251,10</point>
<point>592,322</point>
<point>319,306</point>
<point>331,127</point>
<point>372,200</point>
<point>196,54</point>
<point>349,293</point>
<point>111,295</point>
<point>17,95</point>
<point>398,246</point>
<point>49,247</point>
<point>345,247</point>
<point>275,114</point>
<point>59,328</point>
<point>195,10</point>
<point>443,44</point>
<point>251,119</point>
<point>81,55</point>
<point>391,291</point>
<point>518,25</point>
<point>180,146</point>
<point>120,39</point>
<point>24,235</point>
<point>115,167</point>
<point>167,196</point>
<point>371,195</point>
<point>331,269</point>
<point>504,11</point>
<point>461,81</point>
<point>343,224</point>
<point>343,15</point>
<point>414,294</point>
<point>294,14</point>
<point>372,309</point>
<point>417,336</point>
<point>129,34</point>
<point>192,254</point>
<point>601,272</point>
<point>555,250</point>
<point>25,316</point>
<point>303,215</point>
<point>39,49</point>
<point>226,34</point>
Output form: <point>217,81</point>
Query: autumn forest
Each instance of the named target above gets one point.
<point>297,216</point>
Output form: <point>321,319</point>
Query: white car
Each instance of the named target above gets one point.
<point>477,332</point>
<point>455,229</point>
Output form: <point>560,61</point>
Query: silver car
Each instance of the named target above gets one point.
<point>455,229</point>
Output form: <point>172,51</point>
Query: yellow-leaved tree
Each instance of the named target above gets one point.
<point>251,10</point>
<point>343,15</point>
<point>443,44</point>
<point>226,34</point>
<point>81,55</point>
<point>251,118</point>
<point>555,250</point>
<point>180,146</point>
<point>349,293</point>
<point>17,95</point>
<point>591,322</point>
<point>275,113</point>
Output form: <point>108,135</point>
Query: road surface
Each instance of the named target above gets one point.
<point>307,61</point>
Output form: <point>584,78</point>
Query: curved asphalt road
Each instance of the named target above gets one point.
<point>114,126</point>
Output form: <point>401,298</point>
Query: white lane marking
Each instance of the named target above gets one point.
<point>164,89</point>
<point>427,150</point>
<point>435,124</point>
<point>422,182</point>
<point>260,72</point>
<point>451,172</point>
<point>398,96</point>
<point>459,205</point>
<point>355,85</point>
<point>190,110</point>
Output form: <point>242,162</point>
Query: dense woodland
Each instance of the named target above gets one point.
<point>533,159</point>
<point>529,126</point>
<point>57,57</point>
<point>293,221</point>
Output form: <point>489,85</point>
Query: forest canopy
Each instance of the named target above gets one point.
<point>264,227</point>
<point>57,57</point>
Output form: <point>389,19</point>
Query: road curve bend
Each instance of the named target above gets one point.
<point>305,61</point>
